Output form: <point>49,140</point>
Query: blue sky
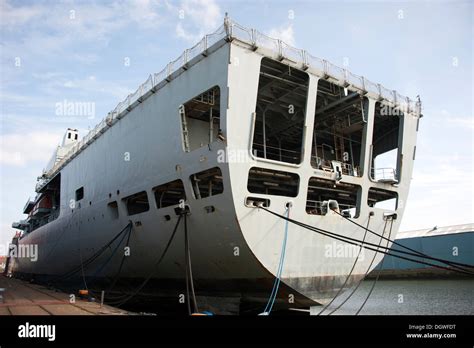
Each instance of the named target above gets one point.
<point>77,51</point>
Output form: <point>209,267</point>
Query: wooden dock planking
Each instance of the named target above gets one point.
<point>22,298</point>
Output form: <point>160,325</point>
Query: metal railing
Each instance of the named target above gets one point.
<point>276,153</point>
<point>231,30</point>
<point>384,174</point>
<point>324,164</point>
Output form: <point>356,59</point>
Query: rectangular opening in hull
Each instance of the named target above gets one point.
<point>386,159</point>
<point>169,194</point>
<point>273,182</point>
<point>137,203</point>
<point>280,112</point>
<point>339,129</point>
<point>200,119</point>
<point>322,192</point>
<point>79,194</point>
<point>383,199</point>
<point>112,209</point>
<point>207,183</point>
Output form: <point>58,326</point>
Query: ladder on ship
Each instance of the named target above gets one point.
<point>184,127</point>
<point>338,141</point>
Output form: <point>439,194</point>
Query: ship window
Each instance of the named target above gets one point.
<point>75,137</point>
<point>386,140</point>
<point>383,199</point>
<point>200,119</point>
<point>112,209</point>
<point>169,194</point>
<point>321,191</point>
<point>280,112</point>
<point>69,135</point>
<point>339,129</point>
<point>79,194</point>
<point>273,182</point>
<point>207,183</point>
<point>137,203</point>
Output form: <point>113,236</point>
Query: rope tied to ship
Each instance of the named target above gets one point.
<point>372,246</point>
<point>276,283</point>
<point>92,258</point>
<point>454,266</point>
<point>352,269</point>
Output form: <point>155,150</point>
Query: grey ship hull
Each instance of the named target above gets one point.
<point>145,149</point>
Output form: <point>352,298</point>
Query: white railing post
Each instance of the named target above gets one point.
<point>228,26</point>
<point>305,60</point>
<point>186,56</point>
<point>168,71</point>
<point>253,37</point>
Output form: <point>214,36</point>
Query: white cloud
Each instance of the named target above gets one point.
<point>54,85</point>
<point>20,149</point>
<point>145,13</point>
<point>443,174</point>
<point>48,29</point>
<point>447,118</point>
<point>14,16</point>
<point>183,34</point>
<point>285,34</point>
<point>6,235</point>
<point>463,122</point>
<point>21,100</point>
<point>441,192</point>
<point>200,17</point>
<point>86,58</point>
<point>91,84</point>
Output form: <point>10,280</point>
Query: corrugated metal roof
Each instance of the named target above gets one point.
<point>436,231</point>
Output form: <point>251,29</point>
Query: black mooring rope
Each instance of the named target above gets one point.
<point>361,280</point>
<point>150,275</point>
<point>91,259</point>
<point>365,245</point>
<point>350,273</point>
<point>447,262</point>
<point>378,273</point>
<point>189,270</point>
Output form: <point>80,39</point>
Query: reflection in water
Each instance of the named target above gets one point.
<point>410,297</point>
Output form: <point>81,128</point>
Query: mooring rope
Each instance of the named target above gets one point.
<point>91,259</point>
<point>447,262</point>
<point>364,244</point>
<point>99,269</point>
<point>359,283</point>
<point>150,275</point>
<point>350,272</point>
<point>276,283</point>
<point>370,246</point>
<point>189,271</point>
<point>378,273</point>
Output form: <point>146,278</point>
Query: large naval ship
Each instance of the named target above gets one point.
<point>191,165</point>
